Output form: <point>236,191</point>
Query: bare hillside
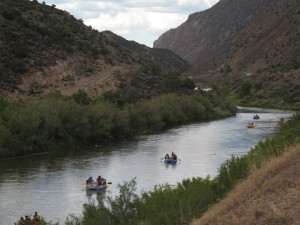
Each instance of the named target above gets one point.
<point>45,50</point>
<point>205,33</point>
<point>270,196</point>
<point>256,43</point>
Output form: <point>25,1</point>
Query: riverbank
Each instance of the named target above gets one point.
<point>270,195</point>
<point>60,123</point>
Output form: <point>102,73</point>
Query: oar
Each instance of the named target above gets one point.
<point>164,158</point>
<point>83,183</point>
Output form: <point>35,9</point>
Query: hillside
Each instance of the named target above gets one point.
<point>252,42</point>
<point>206,33</point>
<point>269,196</point>
<point>45,50</point>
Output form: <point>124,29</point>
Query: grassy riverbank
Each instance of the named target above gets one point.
<point>59,123</point>
<point>191,198</point>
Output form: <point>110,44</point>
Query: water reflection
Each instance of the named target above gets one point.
<point>94,195</point>
<point>170,166</point>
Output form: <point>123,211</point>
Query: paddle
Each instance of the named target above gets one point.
<point>83,183</point>
<point>164,158</point>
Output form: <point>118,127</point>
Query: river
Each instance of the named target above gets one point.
<point>52,185</point>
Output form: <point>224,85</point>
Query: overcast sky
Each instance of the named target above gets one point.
<point>140,20</point>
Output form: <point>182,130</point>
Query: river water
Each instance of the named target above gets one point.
<point>52,185</point>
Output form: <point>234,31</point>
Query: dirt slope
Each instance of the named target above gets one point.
<point>45,50</point>
<point>236,42</point>
<point>269,196</point>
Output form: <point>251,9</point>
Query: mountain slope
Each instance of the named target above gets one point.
<point>46,50</point>
<point>205,33</point>
<point>256,43</point>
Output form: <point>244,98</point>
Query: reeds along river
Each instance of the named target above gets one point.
<point>52,185</point>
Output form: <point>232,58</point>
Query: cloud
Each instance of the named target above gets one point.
<point>142,21</point>
<point>207,3</point>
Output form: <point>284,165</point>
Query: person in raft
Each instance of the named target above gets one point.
<point>174,156</point>
<point>167,156</point>
<point>101,180</point>
<point>90,181</point>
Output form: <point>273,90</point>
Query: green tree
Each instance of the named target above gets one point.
<point>245,88</point>
<point>121,210</point>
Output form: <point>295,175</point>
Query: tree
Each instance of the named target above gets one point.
<point>245,88</point>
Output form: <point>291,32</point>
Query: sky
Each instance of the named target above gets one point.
<point>142,21</point>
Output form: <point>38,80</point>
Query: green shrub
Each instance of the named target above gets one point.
<point>245,88</point>
<point>20,50</point>
<point>170,83</point>
<point>81,97</point>
<point>121,210</point>
<point>187,83</point>
<point>10,14</point>
<point>18,65</point>
<point>63,122</point>
<point>103,121</point>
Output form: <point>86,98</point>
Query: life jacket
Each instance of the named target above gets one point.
<point>22,222</point>
<point>103,181</point>
<point>35,220</point>
<point>98,181</point>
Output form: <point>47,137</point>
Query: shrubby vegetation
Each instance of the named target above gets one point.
<point>41,222</point>
<point>56,122</point>
<point>190,198</point>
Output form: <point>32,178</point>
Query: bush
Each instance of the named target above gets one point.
<point>56,121</point>
<point>20,50</point>
<point>11,14</point>
<point>18,65</point>
<point>170,83</point>
<point>81,97</point>
<point>245,88</point>
<point>187,83</point>
<point>122,210</point>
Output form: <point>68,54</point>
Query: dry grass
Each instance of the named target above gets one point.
<point>66,78</point>
<point>270,196</point>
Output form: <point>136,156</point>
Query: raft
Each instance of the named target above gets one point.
<point>171,161</point>
<point>250,126</point>
<point>96,187</point>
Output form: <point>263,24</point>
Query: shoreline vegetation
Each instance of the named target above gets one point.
<point>191,198</point>
<point>56,122</point>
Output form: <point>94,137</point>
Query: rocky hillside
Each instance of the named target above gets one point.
<point>238,41</point>
<point>46,50</point>
<point>206,33</point>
